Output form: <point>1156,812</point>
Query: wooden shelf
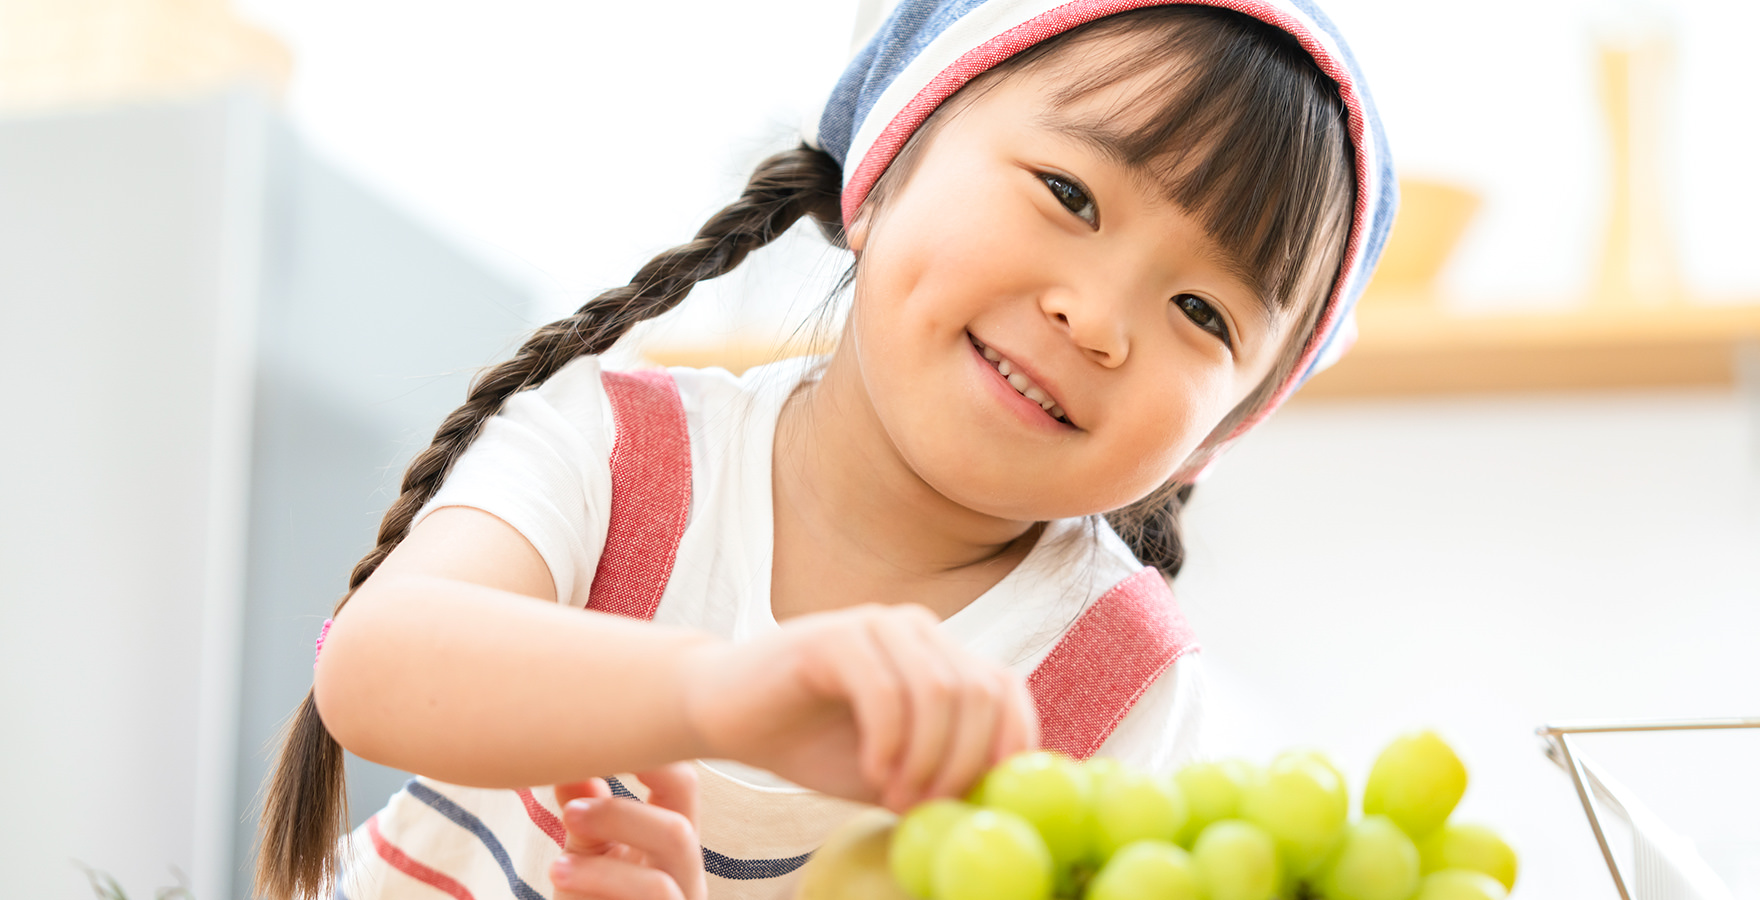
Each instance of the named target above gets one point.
<point>1418,349</point>
<point>736,355</point>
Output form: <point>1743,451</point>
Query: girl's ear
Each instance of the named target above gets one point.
<point>855,237</point>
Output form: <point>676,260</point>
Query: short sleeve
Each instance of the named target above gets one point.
<point>1161,733</point>
<point>542,466</point>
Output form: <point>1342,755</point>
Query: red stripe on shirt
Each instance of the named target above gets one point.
<point>402,862</point>
<point>543,818</point>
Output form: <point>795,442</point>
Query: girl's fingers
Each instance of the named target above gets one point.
<point>859,673</point>
<point>986,706</point>
<point>933,688</point>
<point>673,787</point>
<point>930,715</point>
<point>661,838</point>
<point>579,877</point>
<point>877,687</point>
<point>592,787</point>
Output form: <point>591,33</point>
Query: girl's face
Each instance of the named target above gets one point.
<point>1019,240</point>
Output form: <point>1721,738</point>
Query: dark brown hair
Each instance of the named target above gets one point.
<point>1251,140</point>
<point>1241,128</point>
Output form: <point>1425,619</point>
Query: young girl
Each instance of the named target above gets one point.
<point>1094,241</point>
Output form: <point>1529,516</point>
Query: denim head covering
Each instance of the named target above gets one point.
<point>925,50</point>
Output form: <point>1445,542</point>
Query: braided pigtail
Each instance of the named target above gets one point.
<point>306,808</point>
<point>1150,527</point>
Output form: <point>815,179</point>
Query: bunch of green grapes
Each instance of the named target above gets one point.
<point>1041,825</point>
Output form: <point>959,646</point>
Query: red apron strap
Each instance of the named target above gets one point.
<point>650,493</point>
<point>1099,669</point>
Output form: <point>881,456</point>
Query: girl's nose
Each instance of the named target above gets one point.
<point>1094,319</point>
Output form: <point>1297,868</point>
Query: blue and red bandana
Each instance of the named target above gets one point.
<point>925,50</point>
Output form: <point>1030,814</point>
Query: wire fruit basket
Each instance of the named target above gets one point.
<point>1647,858</point>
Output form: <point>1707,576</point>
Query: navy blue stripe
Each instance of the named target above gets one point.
<point>464,819</point>
<point>750,869</point>
<point>618,790</point>
<point>731,867</point>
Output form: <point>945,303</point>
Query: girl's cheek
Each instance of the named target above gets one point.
<point>1177,427</point>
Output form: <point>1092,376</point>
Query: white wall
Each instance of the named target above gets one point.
<point>123,476</point>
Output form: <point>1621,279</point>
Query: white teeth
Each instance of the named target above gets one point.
<point>1020,382</point>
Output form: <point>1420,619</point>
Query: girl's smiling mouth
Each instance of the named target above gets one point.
<point>1018,380</point>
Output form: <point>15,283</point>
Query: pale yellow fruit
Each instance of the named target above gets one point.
<point>852,863</point>
<point>1476,847</point>
<point>1459,884</point>
<point>1415,782</point>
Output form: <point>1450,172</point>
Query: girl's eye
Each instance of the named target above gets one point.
<point>1073,197</point>
<point>1205,316</point>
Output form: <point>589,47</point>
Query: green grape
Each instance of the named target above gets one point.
<point>1236,860</point>
<point>1459,884</point>
<point>1376,861</point>
<point>1100,769</point>
<point>1051,792</point>
<point>992,855</point>
<point>1132,806</point>
<point>1302,803</point>
<point>1320,759</point>
<point>911,853</point>
<point>1415,782</point>
<point>1468,847</point>
<point>1212,791</point>
<point>1146,870</point>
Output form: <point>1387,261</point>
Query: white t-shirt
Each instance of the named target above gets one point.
<point>542,466</point>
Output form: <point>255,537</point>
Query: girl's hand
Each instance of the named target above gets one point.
<point>872,703</point>
<point>622,849</point>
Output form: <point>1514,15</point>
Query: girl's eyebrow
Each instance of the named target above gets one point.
<point>1108,142</point>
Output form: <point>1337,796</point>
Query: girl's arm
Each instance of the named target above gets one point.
<point>446,663</point>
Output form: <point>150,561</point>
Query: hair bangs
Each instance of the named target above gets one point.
<point>1237,125</point>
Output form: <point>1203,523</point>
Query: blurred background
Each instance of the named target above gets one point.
<point>251,252</point>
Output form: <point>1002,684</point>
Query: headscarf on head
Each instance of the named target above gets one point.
<point>925,50</point>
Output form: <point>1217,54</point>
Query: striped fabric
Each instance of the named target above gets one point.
<point>435,839</point>
<point>927,49</point>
